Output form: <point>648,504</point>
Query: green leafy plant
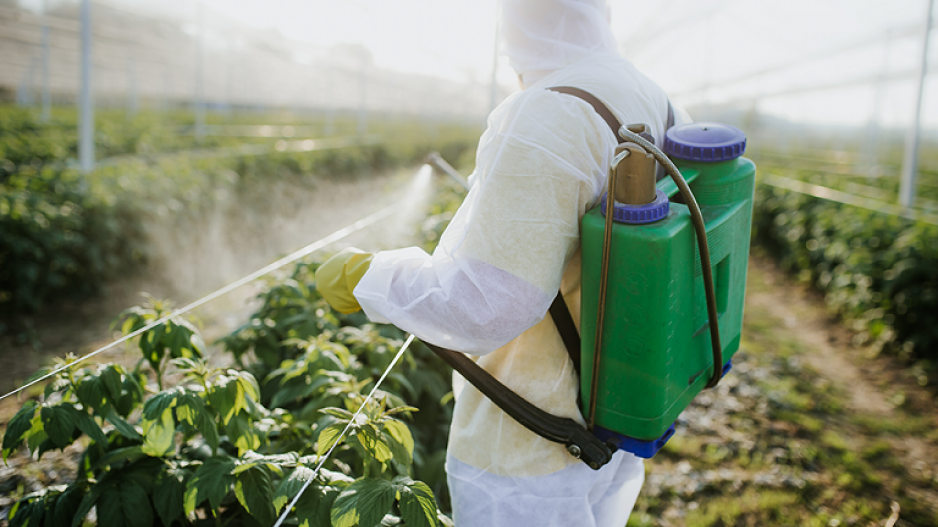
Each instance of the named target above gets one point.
<point>176,442</point>
<point>879,272</point>
<point>175,338</point>
<point>68,233</point>
<point>207,448</point>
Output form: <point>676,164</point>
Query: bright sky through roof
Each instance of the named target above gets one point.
<point>693,48</point>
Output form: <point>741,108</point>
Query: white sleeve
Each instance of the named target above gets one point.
<point>499,263</point>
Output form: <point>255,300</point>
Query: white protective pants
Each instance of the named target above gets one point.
<point>576,496</point>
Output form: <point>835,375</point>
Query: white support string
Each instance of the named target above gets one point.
<point>338,440</point>
<point>305,251</point>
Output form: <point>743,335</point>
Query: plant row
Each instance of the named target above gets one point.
<point>879,272</point>
<point>177,442</point>
<point>66,233</point>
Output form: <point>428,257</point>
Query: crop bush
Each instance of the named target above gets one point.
<point>232,446</point>
<point>879,272</point>
<point>65,233</point>
<point>58,238</point>
<point>221,447</point>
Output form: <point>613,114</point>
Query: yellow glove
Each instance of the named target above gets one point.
<point>337,278</point>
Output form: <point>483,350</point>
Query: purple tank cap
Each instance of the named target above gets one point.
<point>637,214</point>
<point>707,142</point>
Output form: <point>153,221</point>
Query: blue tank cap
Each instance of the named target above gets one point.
<point>638,214</point>
<point>707,142</point>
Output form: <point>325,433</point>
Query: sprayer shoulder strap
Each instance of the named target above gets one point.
<point>604,112</point>
<point>567,329</point>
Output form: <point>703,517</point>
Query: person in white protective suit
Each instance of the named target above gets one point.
<point>541,164</point>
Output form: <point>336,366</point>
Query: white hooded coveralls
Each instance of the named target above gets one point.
<point>540,165</point>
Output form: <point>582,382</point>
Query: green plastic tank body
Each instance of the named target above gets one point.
<point>656,354</point>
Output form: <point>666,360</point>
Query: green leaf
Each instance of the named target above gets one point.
<point>211,482</point>
<point>290,486</point>
<point>87,503</point>
<point>338,413</point>
<point>314,507</point>
<point>299,390</point>
<point>374,442</point>
<point>157,405</point>
<point>167,497</point>
<point>111,379</point>
<point>254,490</point>
<point>151,344</point>
<point>92,392</point>
<point>158,436</point>
<point>44,447</point>
<point>226,399</point>
<point>401,409</point>
<point>363,503</point>
<point>178,341</point>
<point>418,506</point>
<point>124,504</point>
<point>242,433</point>
<point>207,427</point>
<point>37,434</point>
<point>17,428</point>
<point>28,513</point>
<point>67,506</point>
<point>130,453</point>
<point>186,414</point>
<point>132,394</point>
<point>244,466</point>
<point>131,324</point>
<point>87,424</point>
<point>248,384</point>
<point>327,437</point>
<point>123,427</point>
<point>59,423</point>
<point>402,442</point>
<point>189,408</point>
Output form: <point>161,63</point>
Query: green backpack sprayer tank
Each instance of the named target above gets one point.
<point>656,350</point>
<point>657,323</point>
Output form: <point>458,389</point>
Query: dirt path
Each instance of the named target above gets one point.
<point>874,385</point>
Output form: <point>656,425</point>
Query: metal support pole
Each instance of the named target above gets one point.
<point>46,95</point>
<point>131,87</point>
<point>167,87</point>
<point>199,89</point>
<point>85,103</point>
<point>363,97</point>
<point>331,103</point>
<point>229,81</point>
<point>872,131</point>
<point>910,161</point>
<point>24,93</point>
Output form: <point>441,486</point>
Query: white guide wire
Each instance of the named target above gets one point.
<point>305,251</point>
<point>338,440</point>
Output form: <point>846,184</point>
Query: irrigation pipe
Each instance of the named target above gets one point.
<point>338,440</point>
<point>296,255</point>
